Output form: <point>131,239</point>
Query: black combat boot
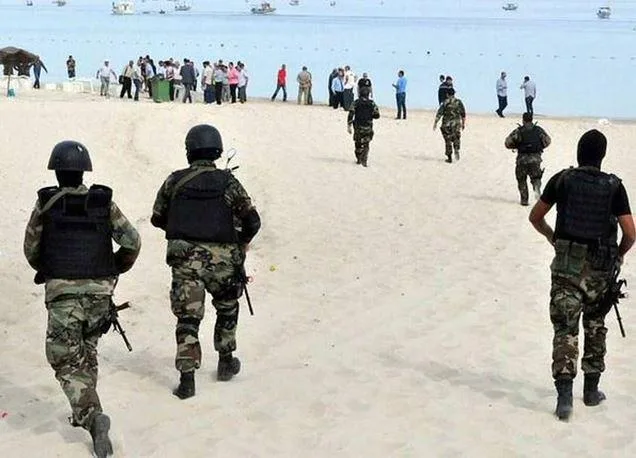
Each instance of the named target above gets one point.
<point>564,400</point>
<point>456,155</point>
<point>185,389</point>
<point>449,159</point>
<point>227,368</point>
<point>591,394</point>
<point>99,432</point>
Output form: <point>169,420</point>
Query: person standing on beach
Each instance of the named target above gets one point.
<point>68,241</point>
<point>218,83</point>
<point>304,83</point>
<point>337,86</point>
<point>197,207</point>
<point>400,95</point>
<point>365,82</point>
<point>332,95</point>
<point>207,82</point>
<point>502,95</point>
<point>281,83</point>
<point>127,75</point>
<point>530,93</point>
<point>37,70</point>
<point>453,116</point>
<point>349,85</point>
<point>233,77</point>
<point>104,75</point>
<point>242,82</point>
<point>137,79</point>
<point>362,112</point>
<point>188,77</point>
<point>529,140</point>
<point>70,67</point>
<point>590,204</point>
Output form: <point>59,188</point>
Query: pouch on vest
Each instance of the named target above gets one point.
<point>198,211</point>
<point>569,258</point>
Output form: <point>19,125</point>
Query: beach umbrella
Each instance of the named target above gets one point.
<point>11,57</point>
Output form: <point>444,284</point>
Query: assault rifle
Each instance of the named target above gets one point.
<point>613,296</point>
<point>113,314</point>
<point>244,281</point>
<point>243,278</point>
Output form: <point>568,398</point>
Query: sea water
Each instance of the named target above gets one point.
<point>582,65</point>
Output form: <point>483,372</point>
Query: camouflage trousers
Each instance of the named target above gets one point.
<point>576,289</point>
<point>191,278</point>
<point>362,137</point>
<point>74,323</point>
<point>452,138</point>
<point>528,166</point>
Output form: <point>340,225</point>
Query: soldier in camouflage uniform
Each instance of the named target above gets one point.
<point>362,112</point>
<point>209,221</point>
<point>529,140</point>
<point>68,242</point>
<point>453,116</point>
<point>590,206</point>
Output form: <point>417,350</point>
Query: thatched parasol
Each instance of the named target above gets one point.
<point>21,59</point>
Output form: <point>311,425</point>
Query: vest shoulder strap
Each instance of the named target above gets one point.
<point>189,176</point>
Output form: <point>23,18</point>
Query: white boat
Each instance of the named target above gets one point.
<point>182,6</point>
<point>123,8</point>
<point>294,2</point>
<point>265,8</point>
<point>510,7</point>
<point>604,12</point>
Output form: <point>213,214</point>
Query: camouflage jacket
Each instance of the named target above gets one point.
<point>124,234</point>
<point>236,198</point>
<point>451,112</point>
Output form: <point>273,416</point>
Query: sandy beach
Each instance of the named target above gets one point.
<point>401,310</point>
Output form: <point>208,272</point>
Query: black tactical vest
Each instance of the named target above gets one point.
<point>364,113</point>
<point>530,141</point>
<point>77,234</point>
<point>585,206</point>
<point>198,211</point>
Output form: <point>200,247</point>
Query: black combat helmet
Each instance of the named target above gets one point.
<point>203,142</point>
<point>70,156</point>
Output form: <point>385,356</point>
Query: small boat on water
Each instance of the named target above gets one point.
<point>29,3</point>
<point>294,2</point>
<point>510,7</point>
<point>60,2</point>
<point>264,8</point>
<point>123,8</point>
<point>604,12</point>
<point>182,6</point>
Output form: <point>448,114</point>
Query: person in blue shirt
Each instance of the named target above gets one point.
<point>400,95</point>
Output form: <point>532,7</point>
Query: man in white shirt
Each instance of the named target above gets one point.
<point>502,94</point>
<point>104,74</point>
<point>207,82</point>
<point>242,82</point>
<point>349,84</point>
<point>530,93</point>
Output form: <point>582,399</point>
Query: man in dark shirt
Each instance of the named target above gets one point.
<point>446,83</point>
<point>365,82</point>
<point>590,206</point>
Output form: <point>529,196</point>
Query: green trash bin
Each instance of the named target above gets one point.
<point>160,89</point>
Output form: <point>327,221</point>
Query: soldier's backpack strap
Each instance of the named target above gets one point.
<point>188,177</point>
